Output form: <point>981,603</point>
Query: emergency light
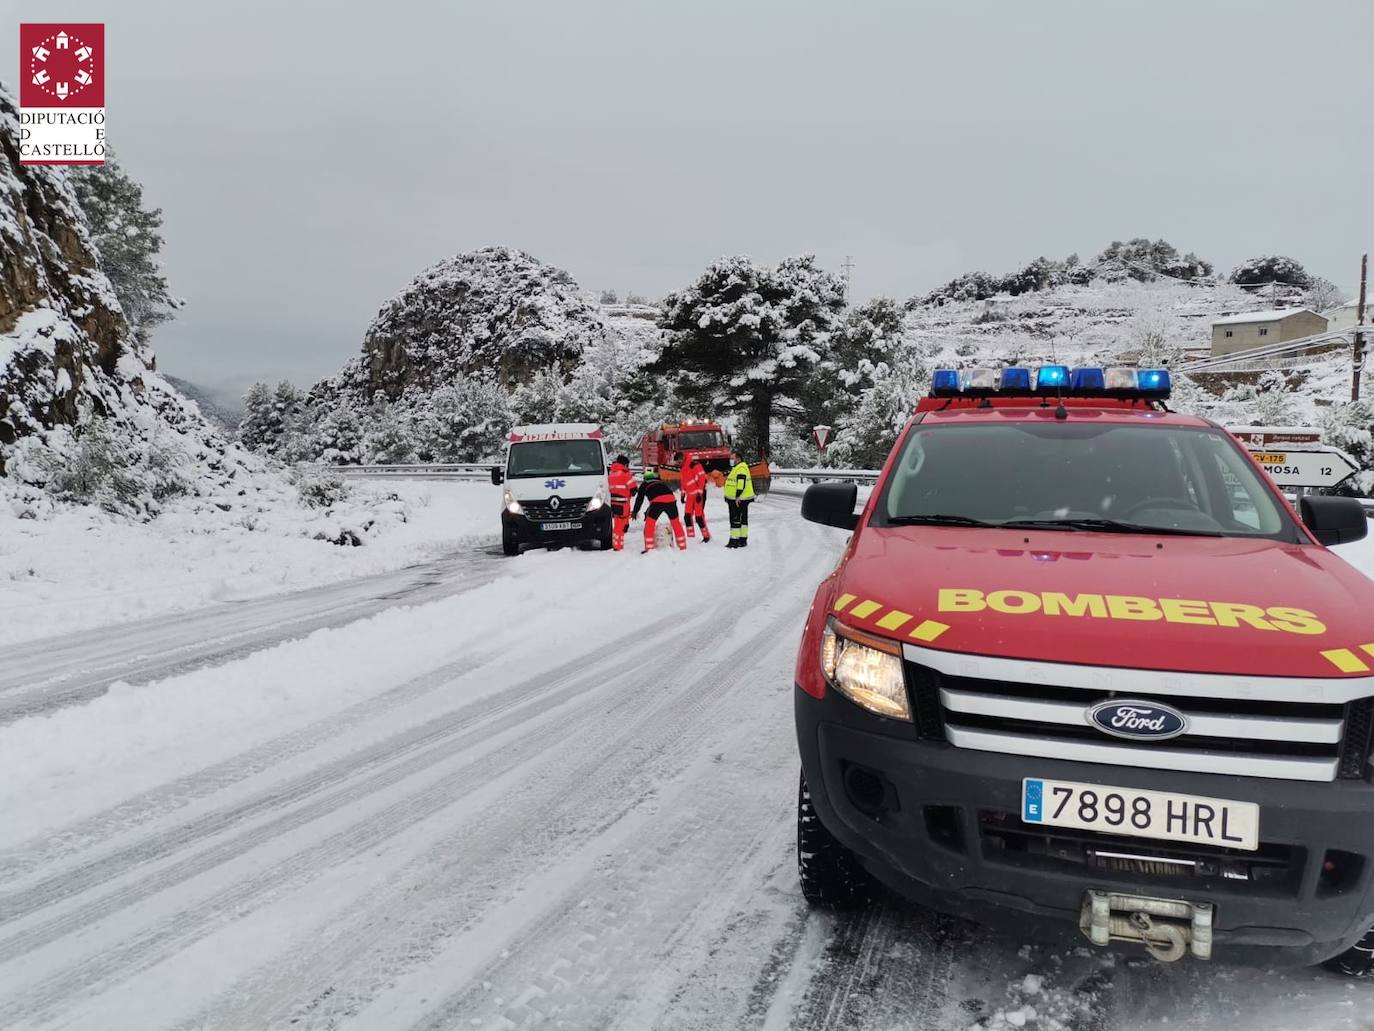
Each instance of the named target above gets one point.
<point>1052,381</point>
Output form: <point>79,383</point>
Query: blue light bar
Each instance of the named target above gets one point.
<point>1051,377</point>
<point>944,383</point>
<point>1014,378</point>
<point>1154,381</point>
<point>1089,381</point>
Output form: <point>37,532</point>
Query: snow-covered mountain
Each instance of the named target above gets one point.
<point>473,344</point>
<point>495,313</point>
<point>79,392</point>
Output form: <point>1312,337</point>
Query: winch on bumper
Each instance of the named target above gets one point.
<point>942,825</point>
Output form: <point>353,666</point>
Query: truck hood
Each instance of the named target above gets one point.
<point>539,488</point>
<point>1189,604</point>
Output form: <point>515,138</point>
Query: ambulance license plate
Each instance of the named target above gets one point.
<point>1161,815</point>
<point>558,526</point>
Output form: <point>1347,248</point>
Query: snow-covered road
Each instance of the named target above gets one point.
<point>564,797</point>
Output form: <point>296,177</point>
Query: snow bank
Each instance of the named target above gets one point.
<point>83,568</point>
<point>78,760</point>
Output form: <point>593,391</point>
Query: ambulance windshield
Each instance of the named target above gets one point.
<point>1082,476</point>
<point>555,458</point>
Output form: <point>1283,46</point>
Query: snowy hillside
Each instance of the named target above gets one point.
<point>1153,322</point>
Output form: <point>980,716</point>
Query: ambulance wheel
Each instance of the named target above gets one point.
<point>1356,961</point>
<point>509,545</point>
<point>830,873</point>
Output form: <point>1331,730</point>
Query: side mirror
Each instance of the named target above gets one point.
<point>1334,520</point>
<point>498,475</point>
<point>831,504</point>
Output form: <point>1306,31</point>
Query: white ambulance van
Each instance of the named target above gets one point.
<point>556,488</point>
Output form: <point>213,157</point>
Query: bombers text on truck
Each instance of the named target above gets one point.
<point>1082,664</point>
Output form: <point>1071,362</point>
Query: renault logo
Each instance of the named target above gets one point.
<point>554,503</point>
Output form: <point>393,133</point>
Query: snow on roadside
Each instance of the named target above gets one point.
<point>83,568</point>
<point>139,737</point>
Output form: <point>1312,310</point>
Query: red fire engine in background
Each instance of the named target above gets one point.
<point>706,441</point>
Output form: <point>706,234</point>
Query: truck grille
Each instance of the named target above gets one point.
<point>568,509</point>
<point>1277,731</point>
<point>1005,838</point>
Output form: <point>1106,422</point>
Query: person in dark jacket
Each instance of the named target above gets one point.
<point>662,502</point>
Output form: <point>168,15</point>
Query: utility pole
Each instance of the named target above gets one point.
<point>848,267</point>
<point>1359,332</point>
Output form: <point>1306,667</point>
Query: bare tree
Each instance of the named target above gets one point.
<point>1323,295</point>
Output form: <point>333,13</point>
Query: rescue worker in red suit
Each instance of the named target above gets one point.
<point>622,483</point>
<point>693,495</point>
<point>662,502</point>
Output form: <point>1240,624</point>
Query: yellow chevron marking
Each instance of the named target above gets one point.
<point>843,601</point>
<point>1346,661</point>
<point>894,619</point>
<point>864,609</point>
<point>929,630</point>
<point>1368,649</point>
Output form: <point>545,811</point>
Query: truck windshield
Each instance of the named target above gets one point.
<point>1078,475</point>
<point>700,439</point>
<point>555,458</point>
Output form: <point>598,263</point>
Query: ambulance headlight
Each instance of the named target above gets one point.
<point>512,506</point>
<point>866,670</point>
<point>597,501</point>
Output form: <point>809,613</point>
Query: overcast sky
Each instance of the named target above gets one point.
<point>311,158</point>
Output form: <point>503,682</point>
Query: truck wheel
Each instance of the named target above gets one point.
<point>509,545</point>
<point>830,874</point>
<point>1356,961</point>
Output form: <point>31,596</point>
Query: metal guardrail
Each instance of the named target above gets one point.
<point>477,471</point>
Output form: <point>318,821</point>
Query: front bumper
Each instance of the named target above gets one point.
<point>941,835</point>
<point>590,526</point>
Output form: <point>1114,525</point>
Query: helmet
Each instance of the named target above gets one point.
<point>650,473</point>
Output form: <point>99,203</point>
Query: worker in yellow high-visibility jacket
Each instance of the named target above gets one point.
<point>739,491</point>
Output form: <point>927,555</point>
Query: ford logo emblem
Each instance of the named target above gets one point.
<point>1148,721</point>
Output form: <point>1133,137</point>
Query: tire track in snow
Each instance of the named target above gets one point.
<point>545,823</point>
<point>153,944</point>
<point>136,653</point>
<point>416,749</point>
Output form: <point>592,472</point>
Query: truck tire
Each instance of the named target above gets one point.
<point>509,545</point>
<point>1356,961</point>
<point>830,874</point>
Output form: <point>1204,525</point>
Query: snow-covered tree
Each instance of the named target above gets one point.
<point>859,347</point>
<point>339,437</point>
<point>1270,268</point>
<point>390,435</point>
<point>466,421</point>
<point>128,237</point>
<point>260,427</point>
<point>1322,294</point>
<point>743,336</point>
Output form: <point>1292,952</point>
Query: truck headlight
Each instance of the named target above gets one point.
<point>512,506</point>
<point>866,670</point>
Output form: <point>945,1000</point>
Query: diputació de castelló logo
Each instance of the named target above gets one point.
<point>62,94</point>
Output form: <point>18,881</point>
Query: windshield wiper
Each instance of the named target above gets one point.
<point>937,519</point>
<point>1104,526</point>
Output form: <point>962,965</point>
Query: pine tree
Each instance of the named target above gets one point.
<point>128,238</point>
<point>742,337</point>
<point>260,426</point>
